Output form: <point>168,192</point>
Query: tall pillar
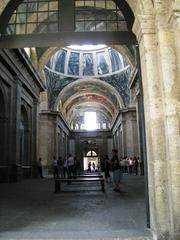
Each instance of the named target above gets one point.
<point>35,139</point>
<point>144,28</point>
<point>124,152</point>
<point>138,111</point>
<point>120,142</point>
<point>169,47</point>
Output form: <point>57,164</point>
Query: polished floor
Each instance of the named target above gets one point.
<point>31,210</point>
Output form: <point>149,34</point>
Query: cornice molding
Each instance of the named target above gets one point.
<point>144,24</point>
<point>174,15</point>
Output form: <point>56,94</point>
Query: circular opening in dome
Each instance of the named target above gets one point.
<point>87,47</point>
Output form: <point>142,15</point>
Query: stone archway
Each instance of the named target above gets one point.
<point>158,31</point>
<point>91,160</point>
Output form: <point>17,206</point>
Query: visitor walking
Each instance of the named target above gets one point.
<point>55,168</point>
<point>40,170</point>
<point>117,173</point>
<point>70,164</point>
<point>89,167</point>
<point>107,165</point>
<point>60,166</point>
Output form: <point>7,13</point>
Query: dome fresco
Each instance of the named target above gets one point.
<point>87,63</point>
<point>84,93</point>
<point>87,78</point>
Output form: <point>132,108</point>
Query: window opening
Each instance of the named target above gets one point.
<point>95,15</point>
<point>90,120</point>
<point>34,16</point>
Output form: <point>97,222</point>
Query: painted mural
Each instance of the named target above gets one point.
<point>56,83</point>
<point>81,63</point>
<point>83,88</point>
<point>73,66</point>
<point>90,98</point>
<point>88,64</point>
<point>57,61</point>
<point>102,66</point>
<point>77,113</point>
<point>116,60</point>
<point>120,83</point>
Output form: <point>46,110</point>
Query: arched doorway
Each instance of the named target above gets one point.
<point>91,161</point>
<point>83,28</point>
<point>155,103</point>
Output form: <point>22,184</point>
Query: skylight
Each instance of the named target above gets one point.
<point>87,47</point>
<point>90,120</point>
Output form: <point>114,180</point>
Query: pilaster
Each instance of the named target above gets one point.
<point>169,49</point>
<point>145,31</point>
<point>43,101</point>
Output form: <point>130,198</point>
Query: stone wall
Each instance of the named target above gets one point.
<point>125,133</point>
<point>20,88</point>
<point>157,29</point>
<point>91,140</point>
<point>53,138</point>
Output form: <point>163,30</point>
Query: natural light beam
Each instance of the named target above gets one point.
<point>90,120</point>
<point>87,47</point>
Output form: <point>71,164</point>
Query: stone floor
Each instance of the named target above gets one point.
<point>31,210</point>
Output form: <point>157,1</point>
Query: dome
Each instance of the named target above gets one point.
<point>81,62</point>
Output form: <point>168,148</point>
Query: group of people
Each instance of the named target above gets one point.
<point>118,167</point>
<point>71,167</point>
<point>92,167</point>
<point>67,168</point>
<point>132,165</point>
<point>61,169</point>
<point>114,166</point>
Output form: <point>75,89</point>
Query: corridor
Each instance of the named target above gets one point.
<point>31,210</point>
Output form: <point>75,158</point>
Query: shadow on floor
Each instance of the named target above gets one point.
<point>31,210</point>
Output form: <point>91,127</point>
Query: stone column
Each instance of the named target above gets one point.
<point>169,49</point>
<point>120,142</point>
<point>16,171</point>
<point>61,136</point>
<point>144,28</point>
<point>138,126</point>
<point>124,152</point>
<point>67,145</point>
<point>35,139</point>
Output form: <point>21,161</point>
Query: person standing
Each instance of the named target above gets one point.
<point>77,166</point>
<point>135,164</point>
<point>65,168</point>
<point>60,165</point>
<point>89,167</point>
<point>70,164</point>
<point>39,162</point>
<point>107,168</point>
<point>117,174</point>
<point>94,166</point>
<point>55,168</point>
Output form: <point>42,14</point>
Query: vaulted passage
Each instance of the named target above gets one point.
<point>89,90</point>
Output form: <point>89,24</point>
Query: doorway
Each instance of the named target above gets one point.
<point>103,26</point>
<point>91,161</point>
